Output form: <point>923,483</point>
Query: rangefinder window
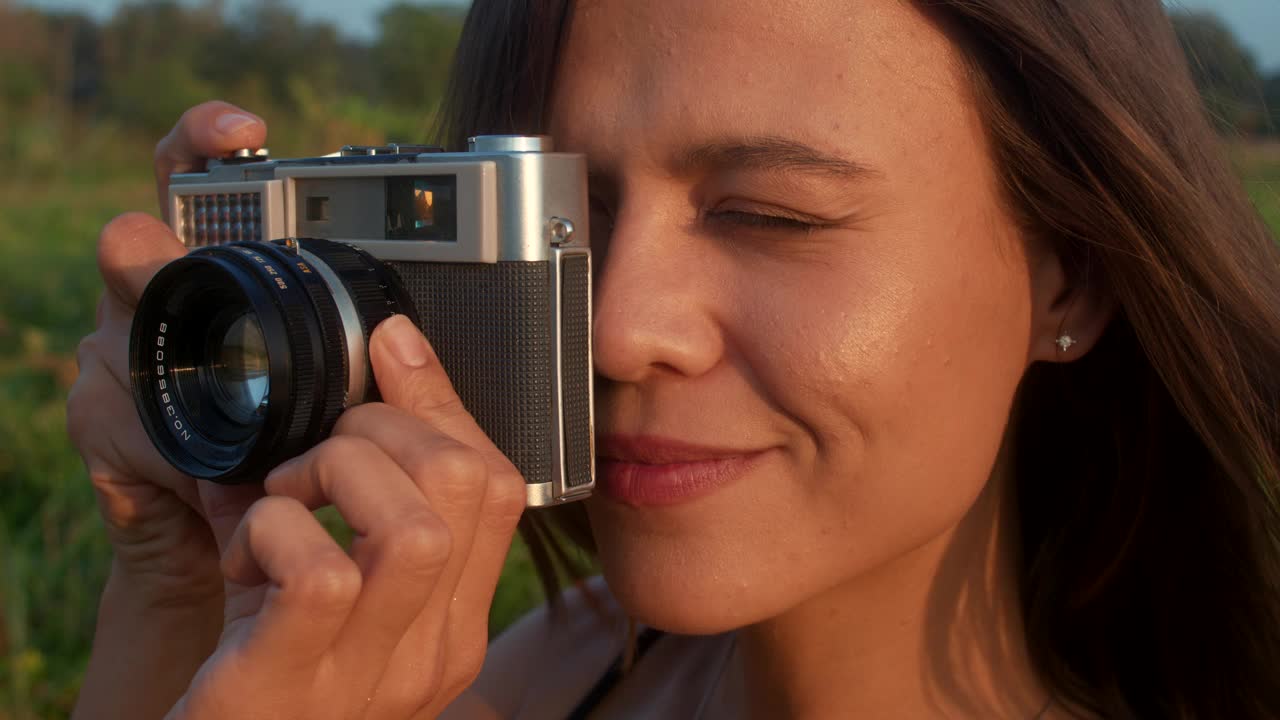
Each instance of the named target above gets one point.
<point>422,208</point>
<point>318,209</point>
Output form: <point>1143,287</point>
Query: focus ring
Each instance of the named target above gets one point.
<point>374,288</point>
<point>303,376</point>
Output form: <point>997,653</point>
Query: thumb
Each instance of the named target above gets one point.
<point>223,506</point>
<point>410,377</point>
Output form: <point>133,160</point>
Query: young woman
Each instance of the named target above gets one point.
<point>938,358</point>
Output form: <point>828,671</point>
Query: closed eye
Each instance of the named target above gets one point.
<point>762,220</point>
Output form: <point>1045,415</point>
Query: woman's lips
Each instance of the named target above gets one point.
<point>645,470</point>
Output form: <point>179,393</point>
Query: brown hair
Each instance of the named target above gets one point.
<point>1147,474</point>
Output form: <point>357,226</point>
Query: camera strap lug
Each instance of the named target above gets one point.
<point>559,231</point>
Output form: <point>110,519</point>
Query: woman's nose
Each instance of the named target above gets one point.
<point>654,304</point>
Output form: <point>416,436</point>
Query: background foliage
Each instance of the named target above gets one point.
<point>81,106</point>
<point>1242,98</point>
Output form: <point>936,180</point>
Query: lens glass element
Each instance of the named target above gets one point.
<point>240,369</point>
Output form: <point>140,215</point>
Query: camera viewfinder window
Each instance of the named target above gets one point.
<point>318,209</point>
<point>422,208</point>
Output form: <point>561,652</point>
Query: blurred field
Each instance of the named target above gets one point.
<point>52,553</point>
<point>1259,165</point>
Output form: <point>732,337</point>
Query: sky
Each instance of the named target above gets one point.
<point>1257,22</point>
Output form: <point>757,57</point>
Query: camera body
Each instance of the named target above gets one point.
<point>487,250</point>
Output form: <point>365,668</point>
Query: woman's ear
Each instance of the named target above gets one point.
<point>1069,314</point>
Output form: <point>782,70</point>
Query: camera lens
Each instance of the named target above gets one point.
<point>240,369</point>
<point>243,355</point>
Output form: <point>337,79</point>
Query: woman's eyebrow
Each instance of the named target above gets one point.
<point>770,153</point>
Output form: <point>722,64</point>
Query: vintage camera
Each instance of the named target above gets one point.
<point>245,351</point>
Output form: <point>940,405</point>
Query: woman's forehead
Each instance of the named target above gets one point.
<point>665,73</point>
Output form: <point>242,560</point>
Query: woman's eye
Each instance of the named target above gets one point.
<point>760,220</point>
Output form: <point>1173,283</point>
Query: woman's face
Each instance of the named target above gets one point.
<point>802,259</point>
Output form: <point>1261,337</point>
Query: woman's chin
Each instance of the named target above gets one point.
<point>673,610</point>
<point>686,599</point>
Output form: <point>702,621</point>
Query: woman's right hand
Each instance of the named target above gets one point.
<point>161,611</point>
<point>159,527</point>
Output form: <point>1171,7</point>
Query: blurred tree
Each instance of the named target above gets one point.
<point>150,53</point>
<point>42,81</point>
<point>86,64</point>
<point>270,41</point>
<point>412,54</point>
<point>26,57</point>
<point>1225,72</point>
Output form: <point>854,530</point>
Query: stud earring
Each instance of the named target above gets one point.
<point>1065,342</point>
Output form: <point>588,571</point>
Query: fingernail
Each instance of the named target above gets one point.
<point>407,344</point>
<point>232,123</point>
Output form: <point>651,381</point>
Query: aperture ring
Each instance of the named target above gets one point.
<point>317,407</point>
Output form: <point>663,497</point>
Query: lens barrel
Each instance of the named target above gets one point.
<point>243,355</point>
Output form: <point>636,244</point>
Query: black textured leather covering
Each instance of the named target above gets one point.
<point>490,324</point>
<point>575,380</point>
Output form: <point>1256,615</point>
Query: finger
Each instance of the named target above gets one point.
<point>210,130</point>
<point>224,507</point>
<point>502,506</point>
<point>410,377</point>
<point>401,547</point>
<point>103,423</point>
<point>454,479</point>
<point>456,647</point>
<point>312,584</point>
<point>131,248</point>
<point>450,475</point>
<point>107,348</point>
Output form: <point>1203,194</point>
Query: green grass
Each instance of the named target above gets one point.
<point>53,555</point>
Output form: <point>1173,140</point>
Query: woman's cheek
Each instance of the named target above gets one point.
<point>901,362</point>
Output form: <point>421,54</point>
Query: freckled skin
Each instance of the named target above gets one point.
<point>878,358</point>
